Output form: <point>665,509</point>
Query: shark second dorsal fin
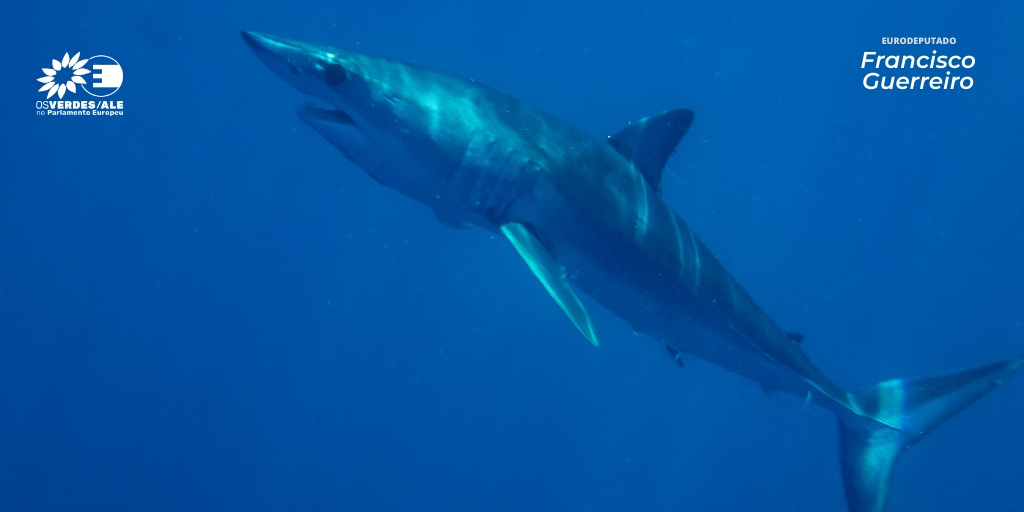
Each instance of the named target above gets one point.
<point>650,141</point>
<point>551,274</point>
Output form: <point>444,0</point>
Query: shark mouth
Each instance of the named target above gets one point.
<point>309,112</point>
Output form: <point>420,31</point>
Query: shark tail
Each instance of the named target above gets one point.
<point>890,417</point>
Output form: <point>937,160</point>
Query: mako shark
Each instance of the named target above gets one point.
<point>588,215</point>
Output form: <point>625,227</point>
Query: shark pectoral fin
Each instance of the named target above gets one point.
<point>551,274</point>
<point>650,141</point>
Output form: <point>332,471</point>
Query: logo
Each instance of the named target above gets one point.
<point>938,72</point>
<point>99,76</point>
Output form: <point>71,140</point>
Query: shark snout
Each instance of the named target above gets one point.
<point>297,63</point>
<point>277,53</point>
<point>253,39</point>
<point>263,42</point>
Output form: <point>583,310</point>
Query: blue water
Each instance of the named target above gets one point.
<point>204,306</point>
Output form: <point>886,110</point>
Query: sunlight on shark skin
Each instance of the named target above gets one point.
<point>416,108</point>
<point>589,215</point>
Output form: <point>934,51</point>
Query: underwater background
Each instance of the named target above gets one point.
<point>204,305</point>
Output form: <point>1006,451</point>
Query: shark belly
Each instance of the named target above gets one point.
<point>687,326</point>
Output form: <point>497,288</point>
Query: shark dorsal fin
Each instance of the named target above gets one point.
<point>650,141</point>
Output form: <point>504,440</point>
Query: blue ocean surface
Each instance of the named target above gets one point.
<point>205,306</point>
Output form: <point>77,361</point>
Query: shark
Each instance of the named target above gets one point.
<point>588,215</point>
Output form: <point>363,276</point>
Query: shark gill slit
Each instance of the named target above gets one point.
<point>696,260</point>
<point>643,208</point>
<point>679,248</point>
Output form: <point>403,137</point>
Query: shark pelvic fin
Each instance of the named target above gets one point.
<point>551,274</point>
<point>650,141</point>
<point>677,356</point>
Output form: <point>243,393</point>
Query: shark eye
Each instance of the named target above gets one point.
<point>334,74</point>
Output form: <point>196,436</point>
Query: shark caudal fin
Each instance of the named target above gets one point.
<point>897,413</point>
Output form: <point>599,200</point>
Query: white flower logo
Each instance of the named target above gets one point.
<point>67,63</point>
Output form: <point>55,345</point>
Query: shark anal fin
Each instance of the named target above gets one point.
<point>649,142</point>
<point>551,274</point>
